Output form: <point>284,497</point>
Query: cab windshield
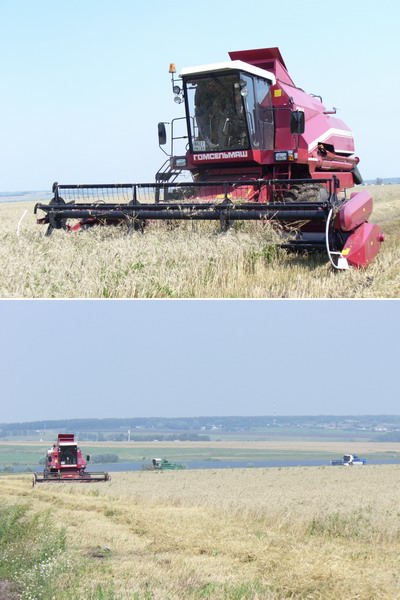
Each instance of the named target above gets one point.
<point>68,455</point>
<point>217,112</point>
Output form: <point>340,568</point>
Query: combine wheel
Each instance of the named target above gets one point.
<point>291,195</point>
<point>34,480</point>
<point>306,193</point>
<point>313,193</point>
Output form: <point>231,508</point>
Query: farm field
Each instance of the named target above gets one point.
<point>188,261</point>
<point>315,533</point>
<point>29,453</point>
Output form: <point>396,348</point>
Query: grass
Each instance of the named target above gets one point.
<point>188,261</point>
<point>32,551</point>
<point>36,560</point>
<point>315,533</point>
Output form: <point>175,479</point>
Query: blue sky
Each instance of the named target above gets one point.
<point>84,83</point>
<point>71,359</point>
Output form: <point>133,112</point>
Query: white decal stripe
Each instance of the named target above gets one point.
<point>324,136</point>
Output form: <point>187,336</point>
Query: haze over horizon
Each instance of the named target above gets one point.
<point>99,359</point>
<point>47,423</point>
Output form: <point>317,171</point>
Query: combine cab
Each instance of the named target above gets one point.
<point>257,148</point>
<point>65,463</point>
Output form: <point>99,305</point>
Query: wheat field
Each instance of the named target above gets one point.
<point>187,261</point>
<point>300,533</point>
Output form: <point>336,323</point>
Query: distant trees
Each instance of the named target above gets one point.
<point>144,437</point>
<point>196,429</point>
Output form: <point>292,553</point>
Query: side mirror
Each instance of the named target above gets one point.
<point>162,134</point>
<point>49,458</point>
<point>88,457</point>
<point>297,122</point>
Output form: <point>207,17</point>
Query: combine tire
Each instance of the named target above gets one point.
<point>306,193</point>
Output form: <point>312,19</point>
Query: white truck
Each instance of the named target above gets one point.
<point>348,460</point>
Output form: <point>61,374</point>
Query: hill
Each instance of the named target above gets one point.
<point>363,427</point>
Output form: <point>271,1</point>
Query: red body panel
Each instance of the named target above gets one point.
<point>65,456</point>
<point>269,59</point>
<point>66,438</point>
<point>320,127</point>
<point>346,180</point>
<point>355,211</point>
<point>323,150</point>
<point>363,245</point>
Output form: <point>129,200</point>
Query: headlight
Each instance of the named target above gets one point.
<point>286,155</point>
<point>180,162</point>
<point>281,156</point>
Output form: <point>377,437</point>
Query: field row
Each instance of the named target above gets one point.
<point>316,533</point>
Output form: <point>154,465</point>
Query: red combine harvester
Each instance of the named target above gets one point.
<point>65,463</point>
<point>257,148</point>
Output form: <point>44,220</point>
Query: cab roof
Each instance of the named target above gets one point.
<point>233,65</point>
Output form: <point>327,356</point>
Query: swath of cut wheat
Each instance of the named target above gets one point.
<point>326,532</point>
